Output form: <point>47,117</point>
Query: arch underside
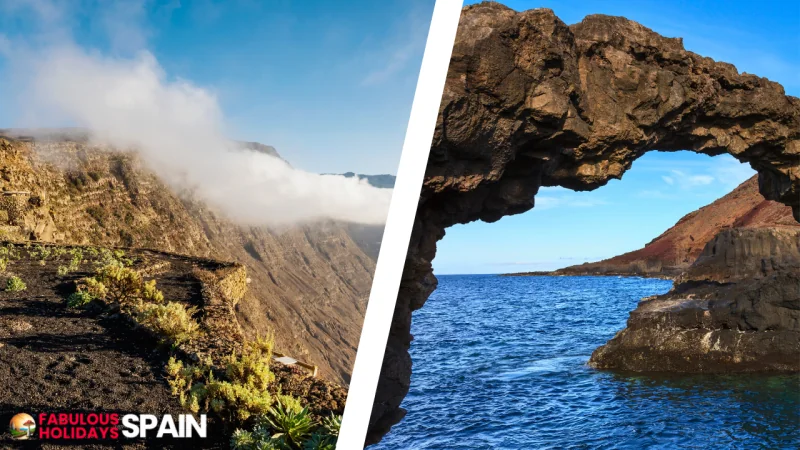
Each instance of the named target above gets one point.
<point>532,102</point>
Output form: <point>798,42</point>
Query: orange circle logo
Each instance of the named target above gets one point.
<point>22,426</point>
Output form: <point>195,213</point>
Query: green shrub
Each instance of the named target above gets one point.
<point>241,394</point>
<point>10,251</point>
<point>181,378</point>
<point>150,293</point>
<point>319,441</point>
<point>79,299</point>
<point>294,427</point>
<point>93,287</point>
<point>251,366</point>
<point>123,285</point>
<point>58,252</point>
<point>258,439</point>
<point>234,402</point>
<point>282,422</point>
<point>290,403</point>
<point>76,260</point>
<point>172,321</point>
<point>74,263</point>
<point>40,252</point>
<point>106,257</point>
<point>243,440</point>
<point>332,424</point>
<point>15,284</point>
<point>284,430</point>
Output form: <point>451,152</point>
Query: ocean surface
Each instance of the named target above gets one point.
<point>500,362</point>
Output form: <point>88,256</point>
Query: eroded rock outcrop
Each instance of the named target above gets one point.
<point>531,102</point>
<point>737,308</point>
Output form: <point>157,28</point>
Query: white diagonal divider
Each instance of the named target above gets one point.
<point>397,234</point>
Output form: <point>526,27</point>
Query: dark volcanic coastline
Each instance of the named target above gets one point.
<point>530,101</point>
<point>736,309</point>
<point>735,303</point>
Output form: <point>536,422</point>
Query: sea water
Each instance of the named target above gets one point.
<point>500,362</point>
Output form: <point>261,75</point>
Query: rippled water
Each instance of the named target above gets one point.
<point>500,362</point>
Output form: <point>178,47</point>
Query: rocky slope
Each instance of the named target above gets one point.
<point>530,101</point>
<point>669,254</point>
<point>99,359</point>
<point>369,237</point>
<point>308,283</point>
<point>737,308</point>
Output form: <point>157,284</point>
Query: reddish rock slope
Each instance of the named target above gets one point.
<point>677,248</point>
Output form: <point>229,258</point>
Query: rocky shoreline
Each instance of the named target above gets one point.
<point>530,101</point>
<point>736,309</point>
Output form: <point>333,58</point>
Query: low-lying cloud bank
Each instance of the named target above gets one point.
<point>177,127</point>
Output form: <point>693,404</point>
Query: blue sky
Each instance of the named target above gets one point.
<point>329,84</point>
<point>568,227</point>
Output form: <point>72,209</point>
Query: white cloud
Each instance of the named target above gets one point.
<point>177,128</point>
<point>668,180</point>
<point>688,181</point>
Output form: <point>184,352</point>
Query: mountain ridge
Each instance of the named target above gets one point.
<point>673,251</point>
<point>309,283</point>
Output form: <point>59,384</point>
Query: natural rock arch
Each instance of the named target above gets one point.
<point>531,102</point>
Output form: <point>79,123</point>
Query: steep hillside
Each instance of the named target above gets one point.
<point>308,283</point>
<point>369,237</point>
<point>678,247</point>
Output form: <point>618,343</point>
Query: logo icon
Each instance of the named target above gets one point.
<point>22,426</point>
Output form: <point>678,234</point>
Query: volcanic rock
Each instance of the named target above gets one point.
<point>531,102</point>
<point>737,308</point>
<point>669,254</point>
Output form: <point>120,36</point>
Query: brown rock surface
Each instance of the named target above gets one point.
<point>737,308</point>
<point>677,248</point>
<point>531,102</point>
<point>308,283</point>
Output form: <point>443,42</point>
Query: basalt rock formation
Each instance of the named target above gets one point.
<point>737,308</point>
<point>671,253</point>
<point>309,284</point>
<point>531,102</point>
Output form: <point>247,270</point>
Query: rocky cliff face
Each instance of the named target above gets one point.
<point>737,308</point>
<point>531,102</point>
<point>669,254</point>
<point>369,237</point>
<point>308,283</point>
